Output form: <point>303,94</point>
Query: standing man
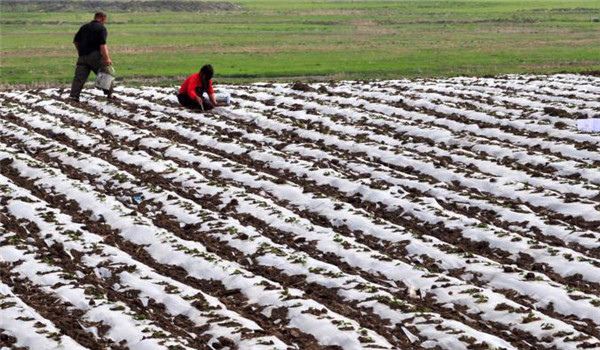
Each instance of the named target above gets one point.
<point>192,89</point>
<point>90,42</point>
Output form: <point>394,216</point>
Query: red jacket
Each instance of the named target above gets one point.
<point>191,83</point>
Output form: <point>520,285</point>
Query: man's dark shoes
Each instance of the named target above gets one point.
<point>74,101</point>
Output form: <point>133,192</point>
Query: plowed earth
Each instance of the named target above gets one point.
<point>459,213</point>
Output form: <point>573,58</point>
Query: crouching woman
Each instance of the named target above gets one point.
<point>190,93</point>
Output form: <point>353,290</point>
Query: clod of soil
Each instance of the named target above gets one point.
<point>299,86</point>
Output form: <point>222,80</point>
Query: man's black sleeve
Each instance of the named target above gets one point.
<point>103,36</point>
<point>77,37</point>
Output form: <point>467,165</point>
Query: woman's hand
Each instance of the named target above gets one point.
<point>213,99</point>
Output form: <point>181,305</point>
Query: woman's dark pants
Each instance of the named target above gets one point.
<point>187,102</point>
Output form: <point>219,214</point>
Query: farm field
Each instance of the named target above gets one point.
<point>321,39</point>
<point>457,213</point>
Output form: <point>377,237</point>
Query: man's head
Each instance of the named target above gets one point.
<point>207,72</point>
<point>100,17</point>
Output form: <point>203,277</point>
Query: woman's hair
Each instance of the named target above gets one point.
<point>207,72</point>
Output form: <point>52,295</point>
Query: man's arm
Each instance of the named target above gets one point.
<point>77,39</point>
<point>105,55</point>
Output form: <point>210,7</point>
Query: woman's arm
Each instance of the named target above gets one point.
<point>213,99</point>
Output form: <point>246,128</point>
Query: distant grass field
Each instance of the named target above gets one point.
<point>317,38</point>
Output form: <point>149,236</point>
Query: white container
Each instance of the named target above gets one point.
<point>223,99</point>
<point>589,125</point>
<point>104,81</point>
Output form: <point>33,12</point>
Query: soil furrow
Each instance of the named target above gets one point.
<point>378,131</point>
<point>166,221</point>
<point>413,223</point>
<point>132,249</point>
<point>318,291</point>
<point>484,215</point>
<point>385,125</point>
<point>108,267</point>
<point>71,264</point>
<point>441,161</point>
<point>404,111</point>
<point>237,302</point>
<point>552,216</point>
<point>269,179</point>
<point>70,321</point>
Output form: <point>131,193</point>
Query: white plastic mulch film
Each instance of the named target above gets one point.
<point>589,125</point>
<point>401,214</point>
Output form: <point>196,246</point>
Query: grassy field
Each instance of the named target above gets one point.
<point>317,38</point>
